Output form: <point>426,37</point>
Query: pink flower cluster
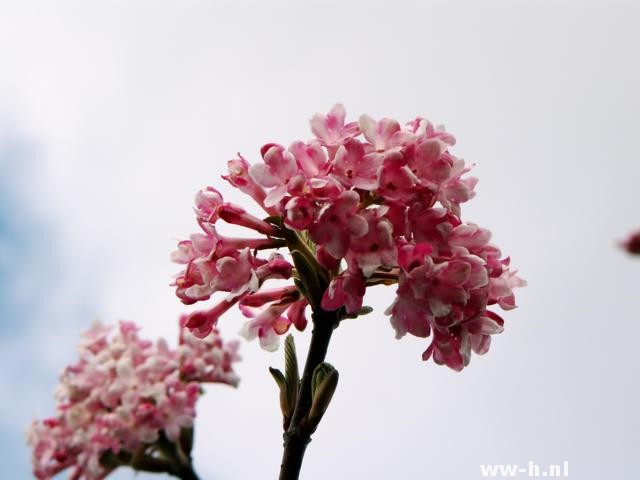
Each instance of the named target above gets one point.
<point>215,263</point>
<point>121,394</point>
<point>380,203</point>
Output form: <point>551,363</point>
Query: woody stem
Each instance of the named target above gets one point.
<point>298,435</point>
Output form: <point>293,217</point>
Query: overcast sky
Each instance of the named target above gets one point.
<point>126,108</point>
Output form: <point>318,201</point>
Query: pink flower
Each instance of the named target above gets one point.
<point>369,203</point>
<point>397,181</point>
<point>208,203</point>
<point>239,178</point>
<point>453,347</point>
<point>430,163</point>
<point>310,157</point>
<point>384,134</point>
<point>432,225</point>
<point>266,325</point>
<point>207,359</point>
<point>377,247</point>
<point>300,212</point>
<point>266,310</point>
<point>276,267</point>
<point>409,314</point>
<point>279,168</point>
<point>501,289</point>
<point>423,128</point>
<point>456,190</point>
<point>354,168</point>
<point>345,290</point>
<point>338,223</point>
<point>447,297</point>
<point>210,271</point>
<point>215,263</point>
<point>201,323</point>
<point>265,296</point>
<point>235,273</point>
<point>326,260</point>
<point>121,395</point>
<point>470,236</point>
<point>441,172</point>
<point>238,216</point>
<point>331,129</point>
<point>296,314</point>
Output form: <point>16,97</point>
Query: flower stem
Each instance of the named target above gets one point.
<point>180,464</point>
<point>186,473</point>
<point>185,469</point>
<point>298,435</point>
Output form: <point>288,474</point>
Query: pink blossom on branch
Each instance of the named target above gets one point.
<point>239,178</point>
<point>330,129</point>
<point>124,395</point>
<point>366,203</point>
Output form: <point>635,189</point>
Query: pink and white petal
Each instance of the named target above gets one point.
<point>334,296</point>
<point>275,195</point>
<point>269,339</point>
<point>368,127</point>
<point>480,344</point>
<point>262,175</point>
<point>357,225</point>
<point>311,159</point>
<point>438,307</point>
<point>280,162</point>
<point>456,272</point>
<point>336,116</point>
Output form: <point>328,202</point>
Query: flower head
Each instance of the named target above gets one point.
<point>366,203</point>
<point>122,396</point>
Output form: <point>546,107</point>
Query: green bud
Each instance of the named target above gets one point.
<point>292,375</point>
<point>363,311</point>
<point>323,386</point>
<point>285,407</point>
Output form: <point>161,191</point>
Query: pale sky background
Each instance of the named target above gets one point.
<point>113,113</point>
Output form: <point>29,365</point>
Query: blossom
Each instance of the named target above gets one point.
<point>346,290</point>
<point>208,202</point>
<point>377,247</point>
<point>266,311</point>
<point>122,395</point>
<point>397,181</point>
<point>331,129</point>
<point>353,167</point>
<point>366,203</point>
<point>239,178</point>
<point>208,359</point>
<point>338,223</point>
<point>202,322</point>
<point>214,263</point>
<point>267,324</point>
<point>277,171</point>
<point>300,212</point>
<point>501,289</point>
<point>429,162</point>
<point>383,134</point>
<point>310,157</point>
